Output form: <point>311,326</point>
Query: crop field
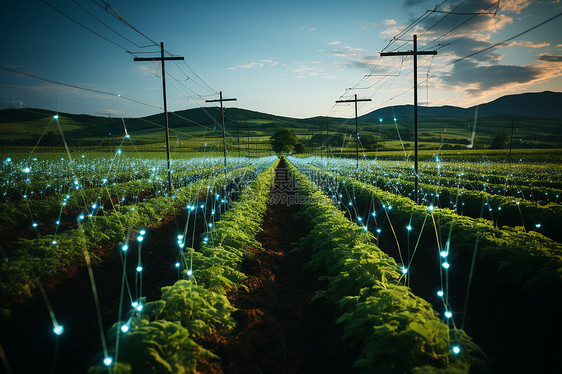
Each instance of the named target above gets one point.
<point>275,265</point>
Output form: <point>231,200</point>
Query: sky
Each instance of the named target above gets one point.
<point>290,58</point>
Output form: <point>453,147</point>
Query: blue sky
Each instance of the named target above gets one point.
<point>292,58</point>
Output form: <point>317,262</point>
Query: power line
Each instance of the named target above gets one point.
<point>83,26</point>
<point>106,25</point>
<point>107,7</point>
<point>507,40</point>
<point>76,87</point>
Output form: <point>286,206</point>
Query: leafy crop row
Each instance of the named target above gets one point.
<point>162,337</point>
<point>45,256</point>
<point>401,332</point>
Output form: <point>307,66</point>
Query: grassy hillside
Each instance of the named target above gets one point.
<point>386,129</point>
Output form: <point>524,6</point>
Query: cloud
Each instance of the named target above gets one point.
<point>514,5</point>
<point>114,112</point>
<point>144,69</point>
<point>13,104</point>
<point>486,80</point>
<point>529,44</point>
<point>389,22</point>
<point>334,43</point>
<point>550,58</point>
<point>344,51</point>
<point>254,64</point>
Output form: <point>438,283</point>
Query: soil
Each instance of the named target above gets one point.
<point>278,329</point>
<point>27,337</point>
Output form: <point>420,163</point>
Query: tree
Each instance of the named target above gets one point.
<point>498,141</point>
<point>283,141</point>
<point>299,148</point>
<point>369,142</point>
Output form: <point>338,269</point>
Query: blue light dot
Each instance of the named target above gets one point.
<point>34,224</point>
<point>107,361</point>
<point>177,264</point>
<point>448,314</point>
<point>440,293</point>
<point>189,273</point>
<point>139,307</point>
<point>119,151</point>
<point>350,203</point>
<point>140,238</point>
<point>538,225</point>
<point>139,269</point>
<point>443,254</point>
<point>58,329</point>
<point>56,116</point>
<point>456,349</point>
<point>180,237</point>
<point>446,265</point>
<point>124,328</point>
<point>125,247</point>
<point>379,231</point>
<point>359,219</point>
<point>409,228</point>
<point>134,304</point>
<point>142,232</point>
<point>404,270</point>
<point>54,242</point>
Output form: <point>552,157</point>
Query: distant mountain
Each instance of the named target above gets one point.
<point>545,104</point>
<point>537,116</point>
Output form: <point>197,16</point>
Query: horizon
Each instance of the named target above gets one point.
<point>293,60</point>
<point>277,115</point>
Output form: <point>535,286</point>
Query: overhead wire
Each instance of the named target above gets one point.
<point>83,26</point>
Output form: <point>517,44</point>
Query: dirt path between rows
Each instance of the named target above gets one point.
<point>278,329</point>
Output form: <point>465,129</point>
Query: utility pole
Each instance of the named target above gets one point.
<point>415,53</point>
<point>511,140</point>
<point>355,100</point>
<point>162,59</point>
<point>222,121</point>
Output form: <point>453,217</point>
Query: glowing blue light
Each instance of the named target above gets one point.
<point>210,224</point>
<point>448,314</point>
<point>446,265</point>
<point>58,329</point>
<point>26,170</point>
<point>359,219</point>
<point>104,180</point>
<point>205,239</point>
<point>379,231</point>
<point>180,237</point>
<point>81,217</point>
<point>140,238</point>
<point>139,307</point>
<point>440,293</point>
<point>431,207</point>
<point>124,328</point>
<point>94,206</point>
<point>177,264</point>
<point>139,269</point>
<point>443,254</point>
<point>350,203</point>
<point>189,273</point>
<point>134,304</point>
<point>107,361</point>
<point>404,270</point>
<point>34,224</point>
<point>374,214</point>
<point>202,206</point>
<point>119,152</point>
<point>56,116</point>
<point>538,225</point>
<point>380,120</point>
<point>409,228</point>
<point>142,232</point>
<point>54,242</point>
<point>127,136</point>
<point>390,207</point>
<point>8,159</point>
<point>125,247</point>
<point>456,349</point>
<point>57,223</point>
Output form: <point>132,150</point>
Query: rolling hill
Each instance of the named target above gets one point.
<point>537,120</point>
